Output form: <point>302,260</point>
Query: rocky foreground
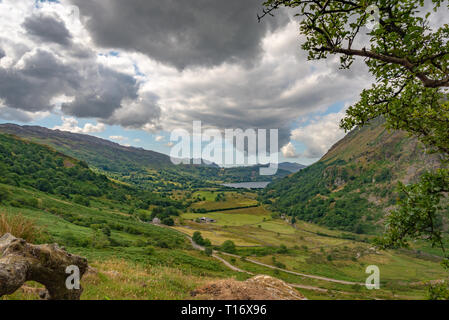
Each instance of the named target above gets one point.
<point>46,264</point>
<point>258,288</point>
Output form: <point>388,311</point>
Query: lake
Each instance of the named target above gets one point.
<point>247,185</point>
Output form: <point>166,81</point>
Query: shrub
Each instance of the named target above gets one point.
<point>81,200</point>
<point>149,250</point>
<point>168,221</point>
<point>228,246</point>
<point>282,249</point>
<point>208,251</point>
<point>4,194</point>
<point>21,227</point>
<point>197,238</point>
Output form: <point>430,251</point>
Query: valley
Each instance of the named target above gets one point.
<point>144,241</point>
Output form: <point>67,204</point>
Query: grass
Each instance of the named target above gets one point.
<point>20,227</point>
<point>141,261</point>
<point>140,253</point>
<point>118,279</point>
<point>317,250</point>
<point>232,200</point>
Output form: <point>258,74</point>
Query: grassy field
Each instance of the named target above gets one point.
<point>316,250</point>
<point>119,279</point>
<point>141,261</point>
<point>135,261</point>
<point>231,200</point>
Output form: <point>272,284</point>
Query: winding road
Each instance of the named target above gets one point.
<point>234,268</point>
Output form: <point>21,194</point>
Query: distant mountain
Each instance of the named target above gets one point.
<point>292,167</point>
<point>353,186</point>
<point>34,166</point>
<point>99,153</point>
<point>136,166</point>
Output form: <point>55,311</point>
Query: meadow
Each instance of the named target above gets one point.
<point>130,259</point>
<point>263,236</point>
<point>136,260</point>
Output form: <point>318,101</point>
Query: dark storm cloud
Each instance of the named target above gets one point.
<point>32,87</point>
<point>102,94</point>
<point>181,33</point>
<point>144,111</point>
<point>98,91</point>
<point>2,53</point>
<point>48,29</point>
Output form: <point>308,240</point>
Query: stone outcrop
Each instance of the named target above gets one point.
<point>46,264</point>
<point>258,288</point>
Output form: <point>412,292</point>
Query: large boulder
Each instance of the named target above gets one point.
<point>261,287</point>
<point>46,264</point>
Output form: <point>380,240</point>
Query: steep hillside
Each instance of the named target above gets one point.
<point>100,153</point>
<point>144,168</point>
<point>29,165</point>
<point>352,187</point>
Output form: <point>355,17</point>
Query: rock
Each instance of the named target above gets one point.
<point>258,288</point>
<point>46,264</point>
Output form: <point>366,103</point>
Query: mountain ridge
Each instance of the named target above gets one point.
<point>353,186</point>
<point>137,166</point>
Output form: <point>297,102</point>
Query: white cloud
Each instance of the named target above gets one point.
<point>71,125</point>
<point>118,138</point>
<point>282,87</point>
<point>289,151</point>
<point>271,93</point>
<point>159,138</point>
<point>320,134</point>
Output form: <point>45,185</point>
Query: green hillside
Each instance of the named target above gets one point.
<point>136,166</point>
<point>353,186</point>
<point>106,222</point>
<point>95,217</point>
<point>30,165</point>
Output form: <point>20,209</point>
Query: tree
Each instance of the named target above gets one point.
<point>409,59</point>
<point>228,246</point>
<point>168,221</point>
<point>198,238</point>
<point>208,251</point>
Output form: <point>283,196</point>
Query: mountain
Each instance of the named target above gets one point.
<point>353,186</point>
<point>30,165</point>
<point>100,153</point>
<point>136,166</point>
<point>292,167</point>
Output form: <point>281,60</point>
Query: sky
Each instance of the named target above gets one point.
<point>133,71</point>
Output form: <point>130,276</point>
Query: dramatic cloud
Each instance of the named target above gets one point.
<point>320,134</point>
<point>181,33</point>
<point>102,92</point>
<point>11,114</point>
<point>38,77</point>
<point>71,125</point>
<point>273,94</point>
<point>289,151</point>
<point>49,61</point>
<point>48,29</point>
<point>160,65</point>
<point>141,113</point>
